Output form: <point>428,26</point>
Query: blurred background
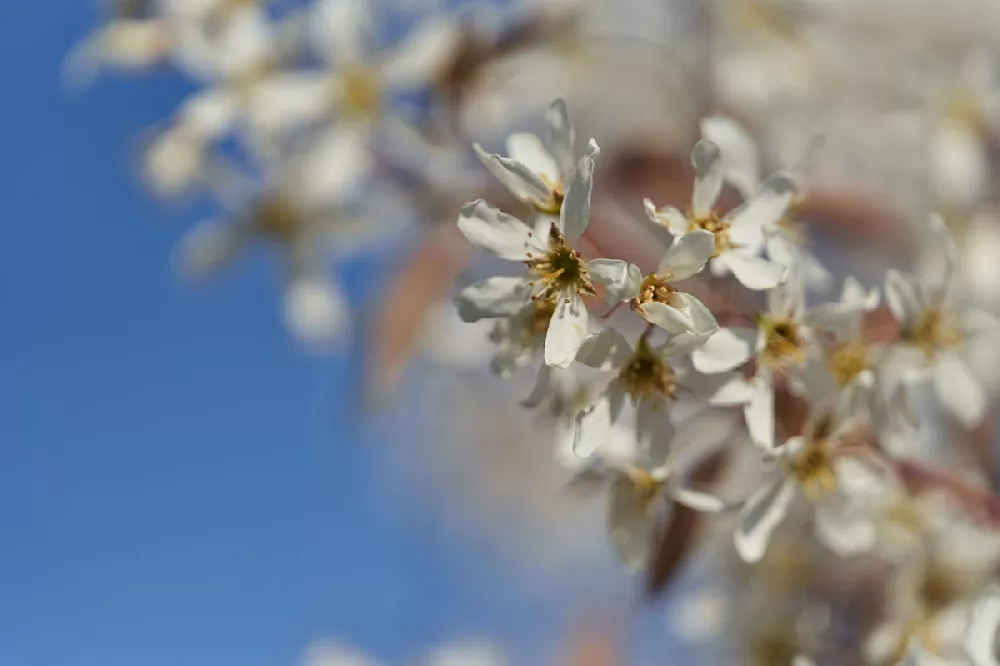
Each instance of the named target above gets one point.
<point>217,472</point>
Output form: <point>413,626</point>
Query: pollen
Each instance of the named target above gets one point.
<point>360,95</point>
<point>560,269</point>
<point>847,362</point>
<point>276,216</point>
<point>714,224</point>
<point>783,341</point>
<point>647,375</point>
<point>931,333</point>
<point>654,289</point>
<point>813,467</point>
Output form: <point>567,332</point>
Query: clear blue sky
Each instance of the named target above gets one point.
<point>179,485</point>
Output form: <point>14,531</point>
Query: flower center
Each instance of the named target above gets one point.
<point>560,269</point>
<point>813,467</point>
<point>713,223</point>
<point>277,217</point>
<point>647,375</point>
<point>654,289</point>
<point>783,341</point>
<point>847,362</point>
<point>931,333</point>
<point>360,94</point>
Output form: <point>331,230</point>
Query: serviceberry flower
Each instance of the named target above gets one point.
<point>558,276</point>
<point>739,234</point>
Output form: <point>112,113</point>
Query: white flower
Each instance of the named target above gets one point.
<point>642,481</point>
<point>828,475</point>
<point>538,176</point>
<point>739,235</point>
<point>934,334</point>
<point>557,274</point>
<point>657,301</point>
<point>357,77</point>
<point>785,241</point>
<point>645,377</point>
<point>123,43</point>
<point>780,343</point>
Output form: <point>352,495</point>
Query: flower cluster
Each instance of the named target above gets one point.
<point>853,391</point>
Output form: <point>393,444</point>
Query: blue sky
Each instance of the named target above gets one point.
<point>179,484</point>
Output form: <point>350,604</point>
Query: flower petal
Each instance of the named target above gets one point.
<point>621,280</point>
<point>759,412</point>
<point>574,215</point>
<point>562,136</point>
<point>739,152</point>
<point>527,148</point>
<point>719,390</point>
<point>763,512</point>
<point>423,53</point>
<point>984,623</point>
<point>315,311</point>
<point>631,523</point>
<point>699,500</point>
<point>592,426</point>
<point>668,217</point>
<point>541,389</point>
<point>607,350</point>
<point>667,317</point>
<point>707,163</point>
<point>752,271</point>
<point>498,296</point>
<point>502,234</point>
<point>654,432</point>
<point>687,255</point>
<point>762,212</point>
<point>566,333</point>
<point>901,296</point>
<point>209,246</point>
<point>843,529</point>
<point>959,390</point>
<point>521,181</point>
<point>728,348</point>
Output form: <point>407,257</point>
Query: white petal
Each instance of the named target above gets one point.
<point>315,311</point>
<point>574,216</point>
<point>959,164</point>
<point>719,390</point>
<point>687,255</point>
<point>592,426</point>
<point>337,161</point>
<point>631,524</point>
<point>854,293</point>
<point>541,390</point>
<point>699,500</point>
<point>669,217</point>
<point>621,280</point>
<point>752,271</point>
<point>959,390</point>
<point>759,412</point>
<point>567,331</point>
<point>739,152</point>
<point>728,348</point>
<point>861,476</point>
<point>902,297</point>
<point>499,296</point>
<point>707,163</point>
<point>763,512</point>
<point>763,211</point>
<point>654,432</point>
<point>527,148</point>
<point>502,234</point>
<point>209,246</point>
<point>561,135</point>
<point>289,100</point>
<point>844,531</point>
<point>425,51</point>
<point>173,162</point>
<point>607,350</point>
<point>521,181</point>
<point>981,635</point>
<point>667,317</point>
<point>341,29</point>
<point>210,113</point>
